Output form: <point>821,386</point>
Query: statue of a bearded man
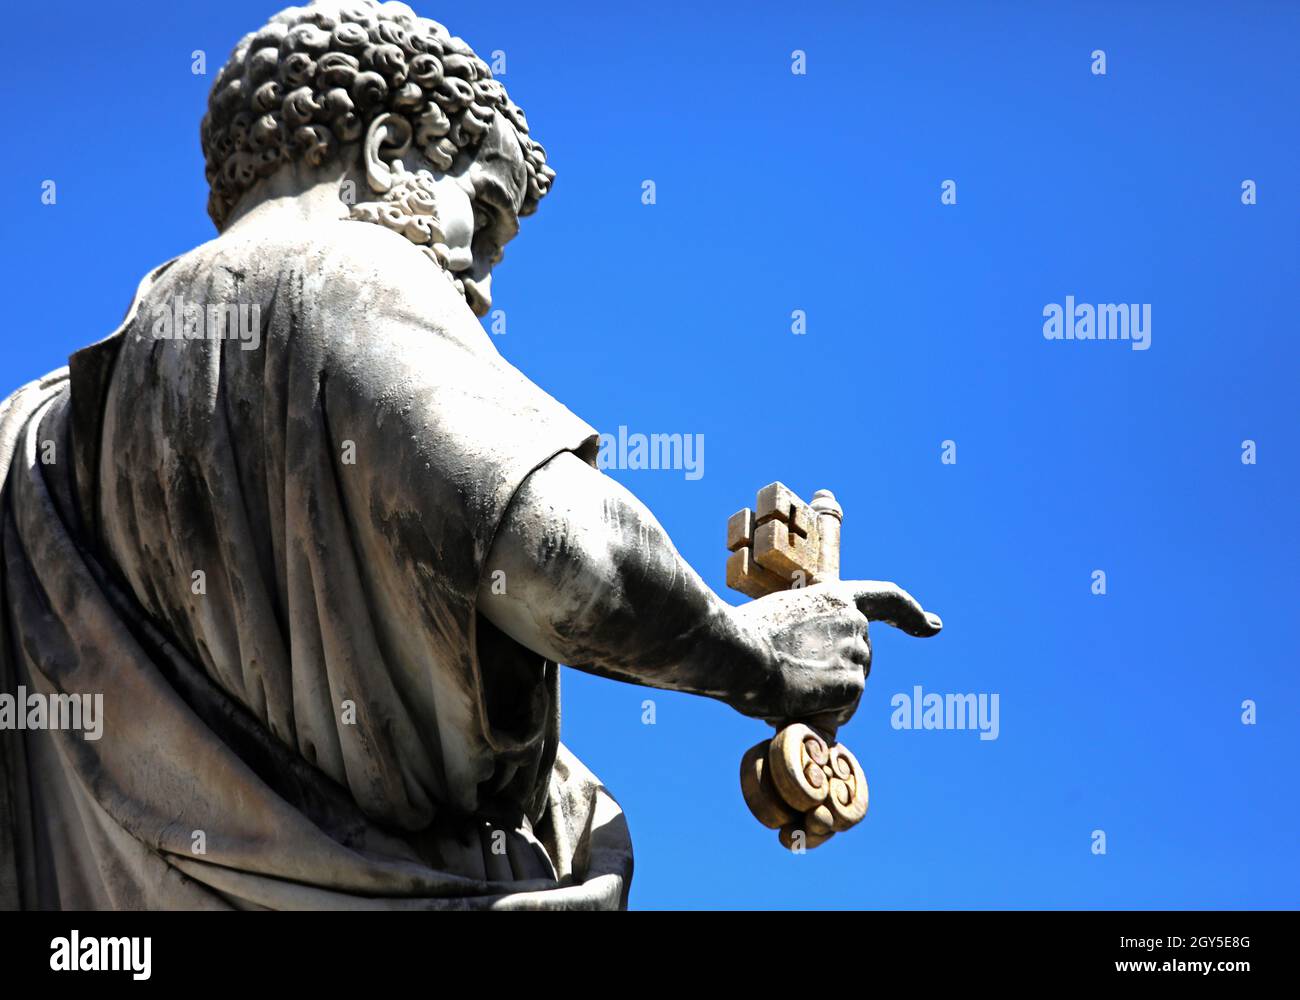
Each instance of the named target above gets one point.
<point>287,492</point>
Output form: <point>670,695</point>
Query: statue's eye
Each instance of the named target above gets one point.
<point>482,219</point>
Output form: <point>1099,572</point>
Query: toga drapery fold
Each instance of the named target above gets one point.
<point>263,546</point>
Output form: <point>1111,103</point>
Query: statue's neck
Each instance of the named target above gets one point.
<point>294,197</point>
<point>281,203</point>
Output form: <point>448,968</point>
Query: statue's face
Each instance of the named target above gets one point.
<point>478,210</point>
<point>474,206</point>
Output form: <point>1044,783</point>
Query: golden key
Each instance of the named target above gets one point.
<point>807,787</point>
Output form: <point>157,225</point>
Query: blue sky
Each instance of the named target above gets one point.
<point>778,192</point>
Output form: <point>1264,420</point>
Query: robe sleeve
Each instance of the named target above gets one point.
<point>443,432</point>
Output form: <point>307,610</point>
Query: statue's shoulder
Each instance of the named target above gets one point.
<point>337,253</point>
<point>336,274</point>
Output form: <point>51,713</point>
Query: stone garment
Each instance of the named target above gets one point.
<point>328,717</point>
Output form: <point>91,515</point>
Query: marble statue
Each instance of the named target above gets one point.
<point>319,548</point>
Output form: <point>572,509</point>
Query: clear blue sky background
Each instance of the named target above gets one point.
<point>821,192</point>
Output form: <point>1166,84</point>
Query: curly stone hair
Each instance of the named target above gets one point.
<point>315,77</point>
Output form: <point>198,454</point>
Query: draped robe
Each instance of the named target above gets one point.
<point>265,554</point>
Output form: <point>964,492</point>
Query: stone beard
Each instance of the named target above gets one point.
<point>410,207</point>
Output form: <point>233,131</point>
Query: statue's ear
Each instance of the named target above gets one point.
<point>387,140</point>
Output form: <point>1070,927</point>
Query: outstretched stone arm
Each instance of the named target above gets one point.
<point>582,573</point>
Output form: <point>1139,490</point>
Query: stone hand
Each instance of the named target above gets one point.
<point>594,582</point>
<point>819,646</point>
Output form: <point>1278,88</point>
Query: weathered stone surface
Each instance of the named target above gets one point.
<point>321,548</point>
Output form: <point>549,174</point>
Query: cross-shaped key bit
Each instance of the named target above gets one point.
<point>775,546</point>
